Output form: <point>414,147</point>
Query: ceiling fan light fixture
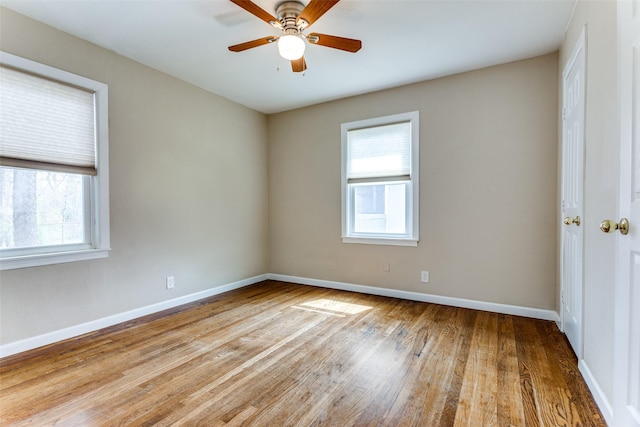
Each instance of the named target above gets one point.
<point>291,47</point>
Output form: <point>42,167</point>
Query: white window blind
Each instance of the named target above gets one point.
<point>381,151</point>
<point>45,124</point>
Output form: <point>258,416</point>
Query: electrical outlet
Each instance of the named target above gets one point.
<point>386,266</point>
<point>424,277</point>
<point>171,282</point>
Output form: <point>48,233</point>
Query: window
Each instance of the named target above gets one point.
<point>54,178</point>
<point>380,180</point>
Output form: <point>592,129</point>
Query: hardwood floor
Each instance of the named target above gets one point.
<point>278,354</point>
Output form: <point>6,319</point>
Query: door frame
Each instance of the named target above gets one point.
<point>579,45</point>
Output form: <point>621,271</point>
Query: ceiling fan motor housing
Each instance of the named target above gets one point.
<point>288,13</point>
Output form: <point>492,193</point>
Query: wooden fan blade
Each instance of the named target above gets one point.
<point>298,65</point>
<point>342,43</point>
<point>253,43</point>
<point>256,10</point>
<point>315,9</point>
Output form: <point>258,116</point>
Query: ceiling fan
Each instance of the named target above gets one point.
<point>292,19</point>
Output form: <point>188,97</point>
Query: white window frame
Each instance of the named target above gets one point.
<point>98,205</point>
<point>411,238</point>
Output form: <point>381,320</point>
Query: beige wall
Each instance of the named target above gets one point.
<point>188,192</point>
<point>601,180</point>
<point>488,155</point>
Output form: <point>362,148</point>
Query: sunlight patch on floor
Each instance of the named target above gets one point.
<point>332,307</point>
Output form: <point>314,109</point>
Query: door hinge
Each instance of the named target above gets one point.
<point>562,297</point>
<point>564,114</point>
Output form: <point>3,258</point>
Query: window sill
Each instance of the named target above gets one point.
<point>380,241</point>
<point>51,258</point>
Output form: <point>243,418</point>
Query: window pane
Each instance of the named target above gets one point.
<point>40,208</point>
<point>370,199</point>
<point>380,208</point>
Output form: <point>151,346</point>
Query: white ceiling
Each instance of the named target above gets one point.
<point>403,42</point>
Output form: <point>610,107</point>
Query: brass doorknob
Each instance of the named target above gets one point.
<point>568,221</point>
<point>610,226</point>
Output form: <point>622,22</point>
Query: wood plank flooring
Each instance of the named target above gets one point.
<point>278,354</point>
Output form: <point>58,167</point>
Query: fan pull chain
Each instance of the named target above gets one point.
<point>278,58</point>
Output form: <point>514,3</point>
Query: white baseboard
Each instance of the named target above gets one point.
<point>536,313</point>
<point>598,395</point>
<point>94,325</point>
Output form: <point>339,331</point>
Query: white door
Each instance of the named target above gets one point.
<point>572,195</point>
<point>627,311</point>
